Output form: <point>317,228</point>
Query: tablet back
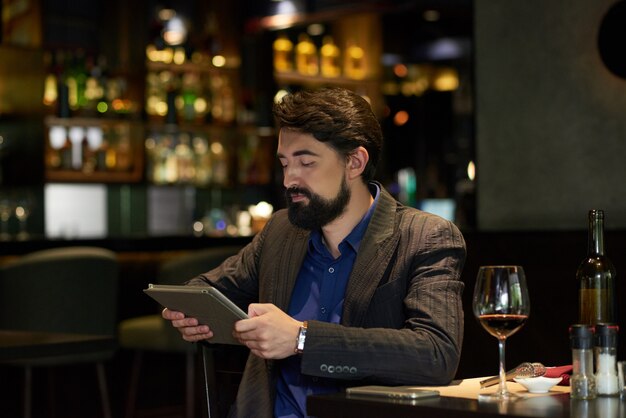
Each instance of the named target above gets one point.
<point>205,303</point>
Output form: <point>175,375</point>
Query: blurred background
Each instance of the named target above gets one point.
<point>153,119</point>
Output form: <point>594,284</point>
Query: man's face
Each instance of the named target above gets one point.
<point>315,180</point>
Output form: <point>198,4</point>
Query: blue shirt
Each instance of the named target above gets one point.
<point>318,294</point>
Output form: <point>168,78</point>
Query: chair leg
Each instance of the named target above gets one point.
<point>104,390</point>
<point>28,391</point>
<point>189,384</point>
<point>133,385</point>
<point>209,392</point>
<point>52,404</point>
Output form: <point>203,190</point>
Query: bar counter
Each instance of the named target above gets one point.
<point>17,247</point>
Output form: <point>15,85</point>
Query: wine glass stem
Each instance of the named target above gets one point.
<point>501,344</point>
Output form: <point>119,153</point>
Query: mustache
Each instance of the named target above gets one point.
<point>297,190</point>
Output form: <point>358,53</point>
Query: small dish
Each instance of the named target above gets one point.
<point>539,384</point>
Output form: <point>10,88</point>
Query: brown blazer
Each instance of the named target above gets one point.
<point>402,319</point>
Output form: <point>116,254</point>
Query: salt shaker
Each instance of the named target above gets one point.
<point>606,359</point>
<point>582,381</point>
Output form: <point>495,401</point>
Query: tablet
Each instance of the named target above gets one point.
<point>205,303</point>
<point>394,392</point>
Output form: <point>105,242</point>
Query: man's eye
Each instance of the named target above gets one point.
<point>307,163</point>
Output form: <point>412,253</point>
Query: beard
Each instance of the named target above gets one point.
<point>319,211</point>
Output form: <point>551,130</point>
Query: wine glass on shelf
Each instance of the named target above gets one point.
<point>6,211</point>
<point>23,208</point>
<point>501,305</point>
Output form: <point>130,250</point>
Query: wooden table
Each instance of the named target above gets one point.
<point>16,345</point>
<point>557,404</point>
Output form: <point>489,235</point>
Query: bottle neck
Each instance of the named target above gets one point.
<point>596,233</point>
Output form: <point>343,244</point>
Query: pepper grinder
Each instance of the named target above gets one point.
<point>582,381</point>
<point>606,360</point>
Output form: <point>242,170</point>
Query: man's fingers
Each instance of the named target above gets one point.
<point>172,315</point>
<point>197,337</point>
<point>191,331</point>
<point>186,322</point>
<point>245,325</point>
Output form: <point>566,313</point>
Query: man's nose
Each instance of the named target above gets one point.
<point>290,177</point>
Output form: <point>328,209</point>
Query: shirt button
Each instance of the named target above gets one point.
<point>323,309</point>
<point>331,270</point>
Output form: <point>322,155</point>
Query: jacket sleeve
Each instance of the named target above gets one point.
<point>413,328</point>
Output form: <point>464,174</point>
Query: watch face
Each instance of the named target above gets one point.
<point>301,339</point>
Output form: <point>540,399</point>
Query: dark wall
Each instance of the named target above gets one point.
<point>550,120</point>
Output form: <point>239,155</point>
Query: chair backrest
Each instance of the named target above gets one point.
<point>71,289</point>
<point>187,266</point>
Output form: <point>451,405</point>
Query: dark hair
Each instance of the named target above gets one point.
<point>337,116</point>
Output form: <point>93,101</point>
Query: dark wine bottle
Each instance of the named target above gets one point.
<point>596,278</point>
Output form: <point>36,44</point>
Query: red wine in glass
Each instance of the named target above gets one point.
<point>502,325</point>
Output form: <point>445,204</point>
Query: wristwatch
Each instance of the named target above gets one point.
<point>301,338</point>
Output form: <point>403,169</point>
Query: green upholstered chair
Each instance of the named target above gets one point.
<point>63,290</point>
<point>153,333</point>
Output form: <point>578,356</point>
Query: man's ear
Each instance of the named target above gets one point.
<point>357,160</point>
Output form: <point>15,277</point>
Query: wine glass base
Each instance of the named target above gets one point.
<point>499,396</point>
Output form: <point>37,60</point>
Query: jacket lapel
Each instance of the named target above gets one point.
<point>291,258</point>
<point>375,252</point>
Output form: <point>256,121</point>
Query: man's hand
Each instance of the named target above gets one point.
<point>269,333</point>
<point>188,327</point>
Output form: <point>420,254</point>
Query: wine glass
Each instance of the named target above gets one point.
<point>23,208</point>
<point>6,211</point>
<point>502,306</point>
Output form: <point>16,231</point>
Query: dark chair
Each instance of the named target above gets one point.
<point>153,333</point>
<point>65,290</point>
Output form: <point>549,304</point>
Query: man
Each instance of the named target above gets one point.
<point>346,286</point>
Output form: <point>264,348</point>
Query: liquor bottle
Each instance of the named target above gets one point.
<point>76,79</point>
<point>184,158</point>
<point>189,95</point>
<point>50,92</point>
<point>202,160</point>
<point>124,151</point>
<point>219,162</point>
<point>354,61</point>
<point>283,49</point>
<point>80,77</point>
<point>171,117</point>
<point>63,95</point>
<point>76,135</point>
<point>329,61</point>
<point>596,277</point>
<point>307,62</point>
